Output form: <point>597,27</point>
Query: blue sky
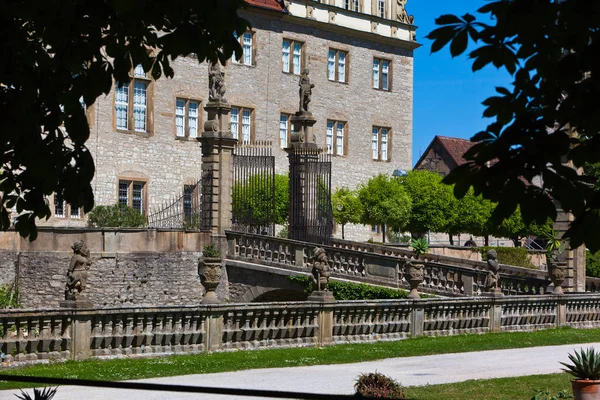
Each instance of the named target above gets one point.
<point>447,94</point>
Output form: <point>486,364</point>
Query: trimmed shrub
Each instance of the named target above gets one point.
<point>516,256</point>
<point>592,264</point>
<point>117,216</point>
<point>376,385</point>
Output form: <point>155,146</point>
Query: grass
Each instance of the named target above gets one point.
<point>524,387</point>
<point>138,368</point>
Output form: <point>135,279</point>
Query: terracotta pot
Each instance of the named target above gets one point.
<point>586,389</point>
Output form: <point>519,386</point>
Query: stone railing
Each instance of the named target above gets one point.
<point>385,268</point>
<point>27,335</point>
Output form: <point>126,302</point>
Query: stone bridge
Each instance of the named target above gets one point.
<point>258,268</point>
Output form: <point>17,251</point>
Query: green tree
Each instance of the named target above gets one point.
<point>118,215</point>
<point>547,122</point>
<point>434,207</point>
<point>516,228</point>
<point>385,202</point>
<point>347,208</point>
<point>252,200</point>
<point>58,52</point>
<point>473,216</point>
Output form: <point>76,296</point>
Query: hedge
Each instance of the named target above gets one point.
<point>517,256</point>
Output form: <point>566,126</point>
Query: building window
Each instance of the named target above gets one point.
<point>64,210</point>
<point>241,123</point>
<point>380,139</point>
<point>375,229</point>
<point>131,103</point>
<point>247,43</point>
<point>336,138</point>
<point>381,8</point>
<point>352,5</point>
<point>337,64</point>
<point>190,193</point>
<point>187,118</point>
<point>291,56</point>
<point>133,194</point>
<point>381,74</point>
<point>284,130</point>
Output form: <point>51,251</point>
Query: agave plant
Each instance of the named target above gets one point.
<point>419,246</point>
<point>45,394</point>
<point>586,364</point>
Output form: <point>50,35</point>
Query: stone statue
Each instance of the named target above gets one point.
<point>320,269</point>
<point>77,274</point>
<point>403,15</point>
<point>493,275</point>
<point>216,82</point>
<point>305,90</point>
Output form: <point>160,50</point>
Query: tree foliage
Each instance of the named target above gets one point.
<point>385,202</point>
<point>434,207</point>
<point>473,215</point>
<point>252,200</point>
<point>347,208</point>
<point>516,228</point>
<point>55,53</point>
<point>547,122</point>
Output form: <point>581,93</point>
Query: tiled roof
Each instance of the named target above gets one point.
<point>455,147</point>
<point>268,4</point>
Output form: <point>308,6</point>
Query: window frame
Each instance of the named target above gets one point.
<point>336,65</point>
<point>334,144</point>
<point>289,129</point>
<point>239,133</point>
<point>130,182</point>
<point>378,8</point>
<point>352,5</point>
<point>380,141</point>
<point>253,46</point>
<point>380,74</point>
<point>67,210</point>
<point>186,127</point>
<point>149,107</point>
<point>291,56</point>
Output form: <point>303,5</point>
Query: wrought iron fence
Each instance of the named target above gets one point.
<point>253,208</point>
<point>191,210</point>
<point>311,216</point>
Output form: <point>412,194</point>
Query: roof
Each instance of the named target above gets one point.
<point>268,4</point>
<point>455,148</point>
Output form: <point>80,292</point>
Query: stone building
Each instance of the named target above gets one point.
<point>443,154</point>
<point>360,56</point>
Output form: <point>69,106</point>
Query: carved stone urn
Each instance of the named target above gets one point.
<point>209,269</point>
<point>557,270</point>
<point>414,274</point>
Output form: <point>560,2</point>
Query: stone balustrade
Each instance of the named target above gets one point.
<point>384,265</point>
<point>33,335</point>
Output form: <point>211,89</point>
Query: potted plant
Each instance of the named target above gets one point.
<point>209,269</point>
<point>585,368</point>
<point>556,260</point>
<point>414,270</point>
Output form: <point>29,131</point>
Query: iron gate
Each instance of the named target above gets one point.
<point>311,216</point>
<point>191,210</point>
<point>253,209</point>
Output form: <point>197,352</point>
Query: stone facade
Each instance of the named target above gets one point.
<point>164,162</point>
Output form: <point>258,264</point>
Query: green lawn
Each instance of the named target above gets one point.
<point>524,387</point>
<point>146,367</point>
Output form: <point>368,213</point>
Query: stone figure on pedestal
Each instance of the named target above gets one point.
<point>305,90</point>
<point>492,281</point>
<point>320,276</point>
<point>216,82</point>
<point>77,274</point>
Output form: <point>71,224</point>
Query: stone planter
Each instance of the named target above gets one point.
<point>414,274</point>
<point>209,270</point>
<point>586,389</point>
<point>558,273</point>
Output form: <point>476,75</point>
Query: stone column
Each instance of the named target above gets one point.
<point>217,155</point>
<point>302,149</point>
<point>417,319</point>
<point>575,279</point>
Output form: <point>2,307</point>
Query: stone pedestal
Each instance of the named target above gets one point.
<point>80,303</point>
<point>321,297</point>
<point>209,270</point>
<point>303,135</point>
<point>497,292</point>
<point>414,275</point>
<point>217,155</point>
